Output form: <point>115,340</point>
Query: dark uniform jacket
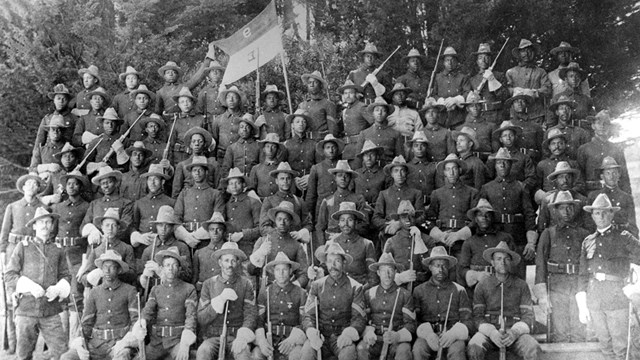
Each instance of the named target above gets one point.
<point>432,300</point>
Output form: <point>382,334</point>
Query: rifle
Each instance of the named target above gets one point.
<point>141,350</point>
<point>146,287</point>
<point>93,168</point>
<point>319,354</point>
<point>503,350</point>
<point>484,81</point>
<point>377,70</point>
<point>75,306</point>
<point>4,342</point>
<point>269,332</point>
<point>413,242</point>
<point>223,336</point>
<point>435,68</point>
<point>549,311</point>
<point>79,166</point>
<point>385,346</point>
<point>165,153</point>
<point>444,328</point>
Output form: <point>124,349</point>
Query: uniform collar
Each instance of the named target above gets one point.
<point>416,161</point>
<point>455,185</point>
<point>374,169</point>
<point>604,231</point>
<point>434,127</point>
<point>315,97</point>
<point>239,197</point>
<point>284,195</point>
<point>287,288</point>
<point>343,279</point>
<point>445,283</point>
<point>201,186</point>
<point>382,126</point>
<point>115,286</point>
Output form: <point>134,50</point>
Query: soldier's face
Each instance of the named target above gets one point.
<point>431,115</point>
<point>349,96</point>
<point>228,264</point>
<point>451,172</point>
<point>270,150</point>
<point>450,63</point>
<point>216,232</point>
<point>601,128</point>
<point>131,81</point>
<point>483,219</point>
<point>564,182</point>
<point>463,144</point>
<point>399,175</point>
<point>602,217</point>
<point>347,223</point>
<point>573,79</point>
<point>155,183</point>
<point>387,274</point>
<point>43,227</point>
<point>271,100</point>
<point>610,177</point>
<point>519,105</point>
<point>564,57</point>
<point>197,143</point>
<point>413,64</point>
<point>335,265</point>
<point>566,212</point>
<point>407,220</point>
<point>110,270</point>
<point>330,150</point>
<point>137,157</point>
<point>55,134</point>
<point>299,124</point>
<point>439,269</point>
<point>109,126</point>
<point>507,138</point>
<point>198,173</point>
<point>474,110</point>
<point>379,113</point>
<point>170,268</point>
<point>503,167</point>
<point>68,160</point>
<point>60,101</point>
<point>170,76</point>
<point>564,113</point>
<point>73,187</point>
<point>399,97</point>
<point>283,222</point>
<point>526,54</point>
<point>282,274</point>
<point>185,104</point>
<point>233,100</point>
<point>314,86</point>
<point>108,185</point>
<point>501,263</point>
<point>142,101</point>
<point>557,146</point>
<point>110,228</point>
<point>419,149</point>
<point>368,59</point>
<point>483,61</point>
<point>244,130</point>
<point>235,186</point>
<point>96,102</point>
<point>88,80</point>
<point>215,76</point>
<point>164,230</point>
<point>284,181</point>
<point>370,158</point>
<point>30,187</point>
<point>152,129</point>
<point>342,179</point>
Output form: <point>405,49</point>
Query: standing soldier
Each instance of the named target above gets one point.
<point>564,53</point>
<point>208,102</point>
<point>272,119</point>
<point>322,111</point>
<point>134,186</point>
<point>186,119</point>
<point>224,128</point>
<point>245,153</point>
<point>564,109</point>
<point>477,173</point>
<point>404,119</point>
<point>477,120</point>
<point>422,172</point>
<point>412,79</point>
<point>301,150</point>
<point>334,314</point>
<point>61,98</point>
<point>452,85</point>
<point>495,91</point>
<point>227,301</point>
<point>393,319</point>
<point>522,168</point>
<point>124,101</point>
<point>242,211</point>
<point>87,126</point>
<point>604,265</point>
<point>532,132</point>
<point>371,179</point>
<point>573,75</point>
<point>564,177</point>
<point>203,265</point>
<point>42,156</point>
<point>377,84</point>
<point>439,138</point>
<point>259,178</point>
<point>381,133</point>
<point>557,270</point>
<point>143,98</point>
<point>439,300</point>
<point>156,138</point>
<point>355,118</point>
<point>171,73</point>
<point>555,145</point>
<point>199,141</point>
<point>90,82</point>
<point>321,183</point>
<point>38,264</point>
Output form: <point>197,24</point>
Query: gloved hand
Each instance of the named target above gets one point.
<point>150,268</point>
<point>139,329</point>
<point>166,166</point>
<point>392,227</point>
<point>540,291</point>
<point>539,196</point>
<point>457,332</point>
<point>301,235</point>
<point>425,331</point>
<point>78,345</point>
<point>186,340</point>
<point>390,337</point>
<point>315,338</point>
<point>331,237</point>
<point>127,341</point>
<point>263,344</point>
<point>295,338</point>
<point>496,338</point>
<point>258,256</point>
<point>88,137</point>
<point>94,236</point>
<point>302,182</point>
<point>60,290</point>
<point>405,277</point>
<point>261,120</point>
<point>315,272</point>
<point>138,238</point>
<point>94,277</point>
<point>218,302</point>
<point>473,277</point>
<point>369,337</point>
<point>449,239</point>
<point>244,336</point>
<point>237,236</point>
<point>371,79</point>
<point>50,167</point>
<point>530,249</point>
<point>583,310</point>
<point>49,200</point>
<point>349,336</point>
<point>415,232</point>
<point>182,234</point>
<point>492,82</point>
<point>117,146</point>
<point>437,234</point>
<point>509,338</point>
<point>28,286</point>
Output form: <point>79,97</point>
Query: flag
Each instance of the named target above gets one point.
<point>259,40</point>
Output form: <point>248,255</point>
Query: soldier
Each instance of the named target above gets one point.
<point>439,138</point>
<point>170,310</point>
<point>259,178</point>
<point>155,140</point>
<point>477,173</point>
<point>203,265</point>
<point>242,211</point>
<point>134,186</point>
<point>557,271</point>
<point>604,265</point>
<point>337,302</point>
<point>109,316</point>
<point>109,140</point>
<point>522,168</point>
<point>209,104</point>
<point>564,53</point>
<point>68,158</point>
<point>371,179</point>
<point>422,172</point>
<point>227,300</point>
<point>321,183</point>
<point>301,150</point>
<point>532,132</point>
<point>413,78</point>
<point>243,154</point>
<point>199,141</point>
<point>280,306</point>
<point>572,76</point>
<point>381,133</point>
<point>355,118</point>
<point>375,85</point>
<point>502,309</point>
<point>272,119</point>
<point>186,120</point>
<point>322,112</point>
<point>91,80</point>
<point>142,98</point>
<point>42,159</point>
<point>564,177</point>
<point>452,85</point>
<point>527,76</point>
<point>38,310</point>
<point>434,308</point>
<point>556,146</point>
<point>576,136</point>
<point>476,119</point>
<point>124,102</point>
<point>390,308</point>
<point>171,73</point>
<point>494,92</point>
<point>224,128</point>
<point>88,126</point>
<point>61,98</point>
<point>403,119</point>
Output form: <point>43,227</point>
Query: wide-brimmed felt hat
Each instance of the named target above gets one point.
<point>129,71</point>
<point>386,259</point>
<point>502,154</point>
<point>520,93</point>
<point>369,48</point>
<point>342,166</point>
<point>75,174</point>
<point>283,167</point>
<point>562,167</point>
<point>111,255</point>
<point>524,43</point>
<point>236,173</point>
<point>483,205</point>
<point>272,89</point>
<point>609,163</point>
<point>601,202</point>
<point>473,98</point>
<point>139,146</point>
<point>59,89</point>
<point>170,65</point>
<point>286,207</point>
<point>432,103</point>
<point>110,213</point>
<point>208,139</point>
<point>153,118</point>
<point>229,248</point>
<point>215,65</point>
<point>399,87</point>
<point>41,212</point>
<point>155,170</point>
<point>405,208</point>
<point>110,114</point>
<point>248,119</point>
<point>397,161</point>
<point>418,136</point>
<point>199,161</point>
<point>271,138</point>
<point>330,138</point>
<point>233,89</point>
<point>91,70</point>
<point>553,134</point>
<point>105,172</point>
<point>216,218</point>
<point>314,75</point>
<point>483,48</point>
<point>562,100</point>
<point>56,121</point>
<point>454,159</point>
<point>281,258</point>
<point>67,148</point>
<point>184,92</point>
<point>172,252</point>
<point>101,92</point>
<point>573,66</point>
<point>564,46</point>
<point>348,207</point>
<point>450,51</point>
<point>503,248</point>
<point>440,253</point>
<point>379,101</point>
<point>469,133</point>
<point>369,146</point>
<point>348,84</point>
<point>332,248</point>
<point>564,197</point>
<point>413,53</point>
<point>507,125</point>
<point>301,113</point>
<point>23,179</point>
<point>142,89</point>
<point>166,215</point>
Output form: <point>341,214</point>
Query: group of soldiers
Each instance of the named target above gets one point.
<point>168,225</point>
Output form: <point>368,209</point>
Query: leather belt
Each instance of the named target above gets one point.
<point>489,269</point>
<point>109,334</point>
<point>167,331</point>
<point>181,148</point>
<point>316,135</point>
<point>68,241</point>
<point>350,139</point>
<point>481,153</point>
<point>281,330</point>
<point>582,123</point>
<point>192,225</point>
<point>16,238</point>
<point>492,105</point>
<point>569,269</point>
<point>511,218</point>
<point>528,151</point>
<point>607,277</point>
<point>451,223</point>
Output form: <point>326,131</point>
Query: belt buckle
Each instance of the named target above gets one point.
<point>600,276</point>
<point>570,269</point>
<point>452,223</point>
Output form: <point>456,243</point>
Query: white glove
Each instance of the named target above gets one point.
<point>218,302</point>
<point>301,235</point>
<point>415,232</point>
<point>128,341</point>
<point>458,100</point>
<point>496,337</point>
<point>139,329</point>
<point>92,233</point>
<point>182,234</point>
<point>50,167</point>
<point>150,268</point>
<point>187,339</point>
<point>138,239</point>
<point>315,339</point>
<point>584,314</point>
<point>211,52</point>
<point>261,120</point>
<point>244,336</point>
<point>49,200</point>
<point>237,236</point>
<point>315,272</point>
<point>425,331</point>
<point>94,277</point>
<point>457,332</point>
<point>369,336</point>
<point>77,344</point>
<point>258,256</point>
<point>437,234</point>
<point>492,82</point>
<point>539,196</point>
<point>263,344</point>
<point>26,286</point>
<point>349,336</point>
<point>371,79</point>
<point>60,290</point>
<point>405,277</point>
<point>473,277</point>
<point>392,227</point>
<point>117,146</point>
<point>88,137</point>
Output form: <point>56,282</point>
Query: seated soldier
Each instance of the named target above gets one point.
<point>170,310</point>
<point>573,75</point>
<point>227,301</point>
<point>156,138</point>
<point>391,310</point>
<point>208,102</point>
<point>140,107</point>
<point>199,141</point>
<point>203,266</point>
<point>134,186</point>
<point>87,126</point>
<point>422,171</point>
<point>532,131</point>
<point>321,183</point>
<point>576,136</point>
<point>495,91</point>
<point>403,119</point>
<point>502,309</point>
<point>272,119</point>
<point>442,327</point>
<point>477,173</point>
<point>224,128</point>
<point>186,119</point>
<point>42,157</point>
<point>483,129</point>
<point>355,118</point>
<point>440,143</point>
<point>277,307</point>
<point>371,179</point>
<point>242,211</point>
<point>555,148</point>
<point>523,167</point>
<point>259,178</point>
<point>301,151</point>
<point>243,154</point>
<point>108,142</point>
<point>381,133</point>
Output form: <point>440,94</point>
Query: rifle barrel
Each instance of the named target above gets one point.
<point>435,68</point>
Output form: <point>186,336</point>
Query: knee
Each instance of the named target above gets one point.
<point>456,351</point>
<point>347,353</point>
<point>475,350</point>
<point>307,352</point>
<point>421,349</point>
<point>403,351</point>
<point>296,353</point>
<point>206,350</point>
<point>363,350</point>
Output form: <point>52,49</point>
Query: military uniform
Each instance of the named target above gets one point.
<point>290,247</point>
<point>583,104</point>
<point>559,86</point>
<point>575,136</point>
<point>548,165</point>
<point>122,248</point>
<point>625,219</point>
<point>471,255</point>
<point>224,129</point>
<point>203,265</point>
<point>102,146</point>
<point>440,142</point>
<point>355,118</point>
<point>364,254</point>
<point>476,174</point>
<point>124,103</point>
<point>274,122</point>
<point>547,216</point>
<point>523,168</point>
<point>321,184</point>
<point>399,245</point>
<point>243,215</point>
<point>157,147</point>
<point>484,134</point>
<point>182,177</point>
<point>145,210</point>
<point>325,224</point>
<point>196,204</point>
<point>370,182</point>
<point>531,77</point>
<point>88,122</point>
<point>405,120</point>
<point>184,123</point>
<point>208,103</point>
<point>449,205</point>
<point>416,83</point>
<point>260,180</point>
<point>43,154</point>
<point>82,101</point>
<point>132,186</point>
<point>448,84</point>
<point>301,154</point>
<point>323,113</point>
<point>164,98</point>
<point>69,120</point>
<point>183,249</point>
<point>267,225</point>
<point>589,158</point>
<point>492,109</point>
<point>99,206</point>
<point>137,132</point>
<point>530,141</point>
<point>389,200</point>
<point>244,154</point>
<point>385,136</point>
<point>422,176</point>
<point>359,75</point>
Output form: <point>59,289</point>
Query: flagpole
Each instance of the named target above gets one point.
<point>286,81</point>
<point>257,82</point>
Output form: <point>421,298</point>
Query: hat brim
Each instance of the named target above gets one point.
<point>555,174</point>
<point>205,224</point>
<point>33,221</point>
<point>590,208</point>
<point>406,90</point>
<point>251,123</point>
<point>356,213</point>
<point>438,107</point>
<point>243,177</point>
<point>105,96</point>
<point>165,221</point>
<point>149,174</point>
<point>378,149</point>
<point>223,96</point>
<point>115,173</point>
<point>390,108</point>
<point>407,57</point>
<point>236,252</point>
<point>97,221</point>
<point>558,49</point>
<point>517,129</point>
<point>208,139</point>
<point>461,163</point>
<point>51,95</point>
<point>555,105</point>
<point>357,88</point>
<point>147,153</point>
<point>563,72</point>
<point>487,255</point>
<point>277,92</point>
<point>457,56</point>
<point>274,173</point>
<point>77,151</point>
<point>270,265</point>
<point>387,168</point>
<point>353,173</point>
<point>338,142</point>
<point>528,99</point>
<point>177,97</point>
<point>573,201</point>
<point>545,143</point>
<point>375,266</point>
<point>83,71</point>
<point>471,213</point>
<point>215,67</point>
<point>123,75</point>
<point>149,93</point>
<point>452,260</point>
<point>23,179</point>
<point>322,255</point>
<point>209,166</point>
<point>274,211</point>
<point>82,179</point>
<point>289,118</point>
<point>376,53</point>
<point>515,52</point>
<point>165,253</point>
<point>455,133</point>
<point>144,121</point>
<point>170,67</point>
<point>482,52</point>
<point>123,265</point>
<point>306,77</point>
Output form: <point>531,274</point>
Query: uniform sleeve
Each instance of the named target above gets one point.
<point>41,136</point>
<point>370,258</point>
<point>545,85</point>
<point>527,208</point>
<point>526,306</point>
<point>63,267</point>
<point>266,225</point>
<point>312,191</point>
<point>464,262</point>
<point>7,224</point>
<point>178,180</point>
<point>36,158</point>
<point>379,218</point>
<point>249,309</point>
<point>198,76</point>
<point>14,267</point>
<point>89,314</point>
<point>191,304</point>
<point>206,314</point>
<point>358,316</point>
<point>132,298</point>
<point>150,310</point>
<point>529,173</point>
<point>464,310</point>
<point>261,318</point>
<point>253,232</point>
<point>218,203</point>
<point>303,302</point>
<point>301,258</point>
<point>479,304</point>
<point>408,312</point>
<point>227,162</point>
<point>542,256</point>
<point>185,271</point>
<point>310,308</point>
<point>77,132</point>
<point>322,222</point>
<point>179,206</point>
<point>196,268</point>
